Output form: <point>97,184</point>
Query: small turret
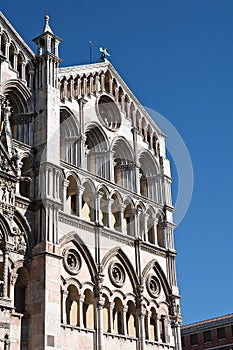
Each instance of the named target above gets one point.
<point>47,55</point>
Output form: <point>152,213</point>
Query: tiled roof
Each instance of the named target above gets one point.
<point>214,320</point>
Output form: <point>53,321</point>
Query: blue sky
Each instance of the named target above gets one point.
<point>177,58</point>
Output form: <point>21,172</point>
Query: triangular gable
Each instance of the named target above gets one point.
<point>106,67</point>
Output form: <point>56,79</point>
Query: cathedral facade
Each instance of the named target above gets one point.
<point>86,229</point>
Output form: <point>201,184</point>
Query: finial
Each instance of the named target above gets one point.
<point>46,24</point>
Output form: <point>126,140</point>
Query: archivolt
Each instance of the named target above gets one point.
<point>18,95</point>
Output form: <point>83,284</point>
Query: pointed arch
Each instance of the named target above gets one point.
<point>18,95</point>
<point>123,258</point>
<point>154,265</point>
<point>84,251</point>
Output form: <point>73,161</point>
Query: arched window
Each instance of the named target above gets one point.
<point>20,289</point>
<point>104,208</point>
<point>97,157</point>
<point>88,310</point>
<point>3,44</point>
<point>131,319</point>
<point>151,227</point>
<point>72,197</point>
<point>88,203</point>
<point>72,306</point>
<point>25,181</point>
<point>153,332</point>
<point>12,56</point>
<point>115,221</point>
<point>106,314</point>
<point>118,324</point>
<point>20,66</point>
<point>124,166</point>
<point>27,75</point>
<point>162,328</point>
<point>128,220</point>
<point>149,181</point>
<point>160,233</point>
<point>69,138</point>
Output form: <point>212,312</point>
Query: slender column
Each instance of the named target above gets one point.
<point>7,50</point>
<point>97,83</point>
<point>125,309</point>
<point>65,185</point>
<point>142,314</point>
<point>98,196</point>
<point>110,86</point>
<point>81,301</point>
<point>158,335</point>
<point>122,209</point>
<point>134,213</point>
<point>147,326</point>
<point>102,78</point>
<point>109,211</point>
<point>23,70</point>
<point>123,103</point>
<point>64,314</point>
<point>71,88</point>
<point>5,272</point>
<point>100,304</point>
<point>145,220</point>
<point>91,84</point>
<point>79,192</point>
<point>84,86</point>
<point>111,166</point>
<point>110,318</point>
<point>116,94</point>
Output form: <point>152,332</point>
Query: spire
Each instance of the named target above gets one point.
<point>46,25</point>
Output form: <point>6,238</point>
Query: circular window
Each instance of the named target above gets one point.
<point>109,113</point>
<point>117,274</point>
<point>153,286</point>
<point>72,261</point>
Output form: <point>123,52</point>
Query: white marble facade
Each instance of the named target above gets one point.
<point>86,228</point>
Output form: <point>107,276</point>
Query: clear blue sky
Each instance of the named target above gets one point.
<point>177,58</point>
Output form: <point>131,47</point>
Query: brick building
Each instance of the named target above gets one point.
<point>215,333</point>
<point>87,259</point>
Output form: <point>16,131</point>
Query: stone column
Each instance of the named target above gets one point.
<point>97,197</point>
<point>5,272</point>
<point>145,220</point>
<point>158,335</point>
<point>125,309</point>
<point>100,304</point>
<point>81,301</point>
<point>116,94</point>
<point>110,86</point>
<point>110,318</point>
<point>79,193</point>
<point>64,314</point>
<point>91,84</point>
<point>122,209</point>
<point>109,211</point>
<point>102,78</point>
<point>23,70</point>
<point>65,185</point>
<point>141,335</point>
